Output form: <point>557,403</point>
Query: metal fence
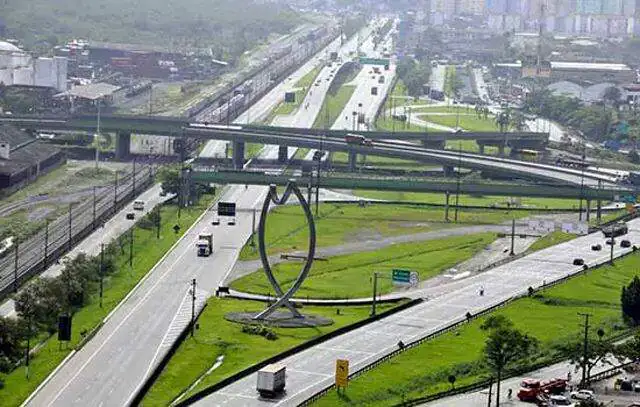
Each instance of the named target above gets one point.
<point>34,255</point>
<point>449,328</point>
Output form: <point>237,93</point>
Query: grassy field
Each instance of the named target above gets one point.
<point>470,200</point>
<point>218,337</point>
<point>339,223</point>
<point>349,276</point>
<point>551,239</point>
<point>551,316</point>
<point>469,122</point>
<point>147,251</point>
<point>333,106</point>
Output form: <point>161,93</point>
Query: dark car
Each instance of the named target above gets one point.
<point>610,242</point>
<point>596,247</point>
<point>131,216</point>
<point>625,243</point>
<point>578,262</point>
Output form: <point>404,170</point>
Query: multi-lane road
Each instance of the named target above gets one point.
<point>312,370</point>
<point>110,368</point>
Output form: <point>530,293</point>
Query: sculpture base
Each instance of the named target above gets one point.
<point>279,319</point>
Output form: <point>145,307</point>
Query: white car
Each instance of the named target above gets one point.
<point>560,401</point>
<point>582,394</point>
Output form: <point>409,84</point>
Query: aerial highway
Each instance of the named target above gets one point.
<point>110,368</point>
<point>312,370</point>
<point>504,166</point>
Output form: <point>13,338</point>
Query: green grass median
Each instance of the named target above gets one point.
<point>531,203</point>
<point>551,316</point>
<point>286,228</point>
<point>349,276</point>
<point>219,337</point>
<point>333,106</point>
<point>147,251</point>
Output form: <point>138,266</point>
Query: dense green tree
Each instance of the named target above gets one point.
<point>504,346</point>
<point>169,176</point>
<point>598,351</point>
<point>630,300</point>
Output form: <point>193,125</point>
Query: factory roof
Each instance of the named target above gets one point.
<point>26,151</point>
<point>8,47</point>
<point>92,91</point>
<point>584,66</point>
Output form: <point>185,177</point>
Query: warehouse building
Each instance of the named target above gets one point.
<point>24,158</point>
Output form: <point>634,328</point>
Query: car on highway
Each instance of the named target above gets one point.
<point>596,247</point>
<point>578,262</point>
<point>625,243</point>
<point>215,221</point>
<point>138,205</point>
<point>130,216</point>
<point>610,242</point>
<point>582,394</point>
<point>231,222</point>
<point>560,401</point>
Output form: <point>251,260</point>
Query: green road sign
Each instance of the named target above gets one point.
<point>401,276</point>
<point>374,61</point>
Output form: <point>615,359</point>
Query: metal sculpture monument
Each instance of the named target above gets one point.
<point>284,297</point>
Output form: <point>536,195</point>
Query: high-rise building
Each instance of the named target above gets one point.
<point>589,6</point>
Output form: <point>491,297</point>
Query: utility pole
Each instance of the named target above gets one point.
<point>455,215</point>
<point>253,228</point>
<point>134,176</point>
<point>131,247</point>
<point>193,307</point>
<point>93,221</point>
<point>582,184</point>
<point>513,237</point>
<point>15,269</point>
<point>586,348</point>
<point>70,219</point>
<point>375,292</point>
<point>46,242</point>
<point>490,389</point>
<point>158,220</point>
<point>101,271</point>
<point>115,194</point>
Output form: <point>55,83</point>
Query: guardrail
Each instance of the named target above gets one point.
<point>306,345</point>
<point>453,326</point>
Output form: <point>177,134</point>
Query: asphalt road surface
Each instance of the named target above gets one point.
<point>109,369</point>
<point>312,370</point>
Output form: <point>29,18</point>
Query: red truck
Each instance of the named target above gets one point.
<point>530,389</point>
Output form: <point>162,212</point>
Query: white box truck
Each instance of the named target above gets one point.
<point>205,244</point>
<point>271,380</point>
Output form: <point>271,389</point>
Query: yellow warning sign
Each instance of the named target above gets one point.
<point>342,373</point>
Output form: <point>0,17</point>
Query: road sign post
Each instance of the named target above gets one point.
<point>342,373</point>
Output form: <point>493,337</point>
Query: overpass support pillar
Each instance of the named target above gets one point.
<point>501,150</point>
<point>446,206</point>
<point>481,148</point>
<point>238,155</point>
<point>588,209</point>
<point>599,211</point>
<point>283,154</point>
<point>448,170</point>
<point>123,145</point>
<point>353,159</point>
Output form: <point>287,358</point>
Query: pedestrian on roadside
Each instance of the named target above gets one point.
<point>481,291</point>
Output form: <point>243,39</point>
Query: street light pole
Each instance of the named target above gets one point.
<point>193,307</point>
<point>96,139</point>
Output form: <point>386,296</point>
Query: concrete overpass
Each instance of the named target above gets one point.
<point>406,184</point>
<point>123,126</point>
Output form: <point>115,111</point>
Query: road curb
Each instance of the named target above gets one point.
<point>48,378</point>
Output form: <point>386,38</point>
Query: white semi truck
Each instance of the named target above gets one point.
<point>205,244</point>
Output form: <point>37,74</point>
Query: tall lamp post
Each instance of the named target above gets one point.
<point>96,137</point>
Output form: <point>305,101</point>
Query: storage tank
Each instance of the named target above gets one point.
<point>44,72</point>
<point>23,76</point>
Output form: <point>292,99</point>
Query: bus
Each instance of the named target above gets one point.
<point>528,155</point>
